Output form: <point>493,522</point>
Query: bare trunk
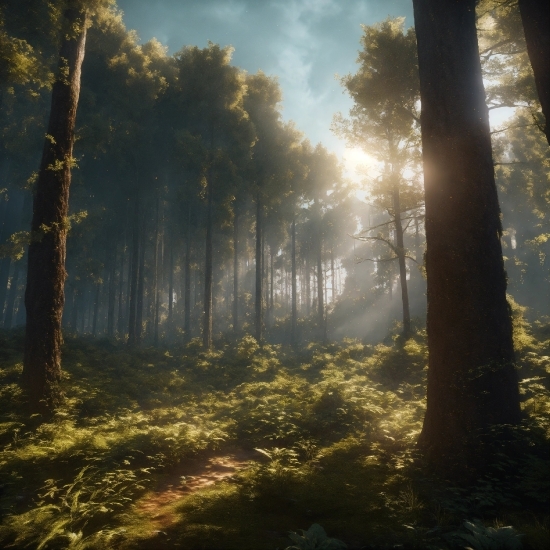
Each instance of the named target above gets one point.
<point>236,270</point>
<point>535,16</point>
<point>187,269</point>
<point>472,381</point>
<point>294,322</point>
<point>140,287</point>
<point>208,272</point>
<point>44,296</point>
<point>112,296</point>
<point>96,309</point>
<point>401,259</point>
<point>12,295</point>
<point>258,317</point>
<point>133,277</point>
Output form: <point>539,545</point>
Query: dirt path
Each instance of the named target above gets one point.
<point>191,476</point>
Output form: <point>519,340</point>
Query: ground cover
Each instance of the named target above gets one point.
<point>232,449</point>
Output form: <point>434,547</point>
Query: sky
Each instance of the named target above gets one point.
<point>305,43</point>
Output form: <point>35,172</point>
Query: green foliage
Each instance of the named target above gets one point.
<point>479,537</point>
<point>334,426</point>
<point>315,538</point>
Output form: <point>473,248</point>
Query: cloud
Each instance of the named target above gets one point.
<point>303,42</point>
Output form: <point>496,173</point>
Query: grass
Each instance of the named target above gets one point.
<point>335,426</point>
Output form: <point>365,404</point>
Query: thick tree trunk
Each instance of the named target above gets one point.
<point>472,381</point>
<point>208,271</point>
<point>535,15</point>
<point>236,270</point>
<point>294,314</point>
<point>399,244</point>
<point>258,324</point>
<point>44,296</point>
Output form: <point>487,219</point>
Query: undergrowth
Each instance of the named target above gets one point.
<point>334,427</point>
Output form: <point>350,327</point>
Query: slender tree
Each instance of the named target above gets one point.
<point>44,296</point>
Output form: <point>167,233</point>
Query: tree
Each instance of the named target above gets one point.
<point>383,122</point>
<point>472,381</point>
<point>535,16</point>
<point>44,296</point>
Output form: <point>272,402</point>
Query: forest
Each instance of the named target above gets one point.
<point>213,337</point>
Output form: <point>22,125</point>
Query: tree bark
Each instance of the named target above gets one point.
<point>44,295</point>
<point>156,295</point>
<point>133,277</point>
<point>208,271</point>
<point>294,314</point>
<point>236,270</point>
<point>96,309</point>
<point>271,287</point>
<point>258,304</point>
<point>141,285</point>
<point>12,295</point>
<point>187,269</point>
<point>320,298</point>
<point>171,286</point>
<point>472,381</point>
<point>399,244</point>
<point>120,320</point>
<point>112,295</point>
<point>535,16</point>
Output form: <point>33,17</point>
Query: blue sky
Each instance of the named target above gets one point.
<point>302,42</point>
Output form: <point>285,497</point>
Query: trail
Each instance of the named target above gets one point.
<point>191,476</point>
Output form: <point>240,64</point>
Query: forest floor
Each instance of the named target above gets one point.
<point>235,448</point>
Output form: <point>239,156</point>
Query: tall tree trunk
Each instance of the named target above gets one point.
<point>171,285</point>
<point>44,295</point>
<point>187,269</point>
<point>294,314</point>
<point>308,284</point>
<point>74,310</point>
<point>236,270</point>
<point>96,309</point>
<point>271,286</point>
<point>258,304</point>
<point>12,295</point>
<point>535,15</point>
<point>208,271</point>
<point>133,276</point>
<point>472,381</point>
<point>333,275</point>
<point>156,290</point>
<point>320,300</point>
<point>141,285</point>
<point>112,295</point>
<point>120,320</point>
<point>399,245</point>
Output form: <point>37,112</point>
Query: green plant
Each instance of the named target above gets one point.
<point>479,537</point>
<point>315,538</point>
